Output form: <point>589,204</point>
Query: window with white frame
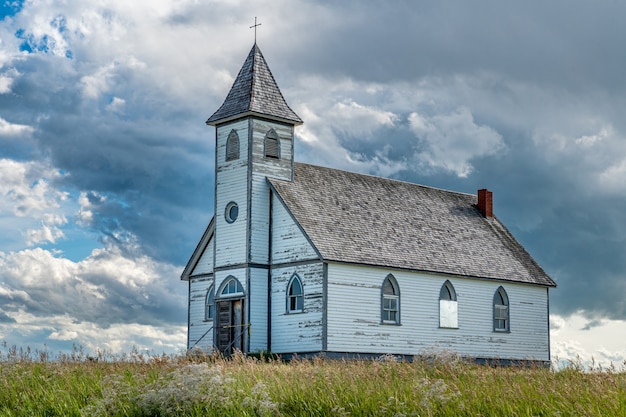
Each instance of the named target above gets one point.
<point>295,295</point>
<point>501,311</point>
<point>272,145</point>
<point>231,286</point>
<point>448,308</point>
<point>232,146</point>
<point>390,302</point>
<point>209,305</point>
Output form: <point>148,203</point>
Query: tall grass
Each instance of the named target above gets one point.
<point>34,384</point>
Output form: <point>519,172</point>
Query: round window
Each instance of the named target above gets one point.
<point>231,212</point>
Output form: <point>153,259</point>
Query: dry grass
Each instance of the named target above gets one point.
<point>33,384</point>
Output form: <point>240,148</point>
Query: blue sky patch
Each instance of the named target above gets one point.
<point>10,8</point>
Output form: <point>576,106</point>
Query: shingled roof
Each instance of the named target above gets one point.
<point>363,219</point>
<point>254,92</point>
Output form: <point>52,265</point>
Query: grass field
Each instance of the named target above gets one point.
<point>33,384</point>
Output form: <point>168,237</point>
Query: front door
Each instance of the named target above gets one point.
<point>230,326</point>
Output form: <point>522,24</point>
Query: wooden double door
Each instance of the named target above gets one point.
<point>231,328</point>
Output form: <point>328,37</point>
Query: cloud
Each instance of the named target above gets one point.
<point>49,232</point>
<point>31,206</point>
<point>453,140</point>
<point>6,80</point>
<point>12,129</point>
<point>101,297</point>
<point>613,178</point>
<point>117,105</point>
<point>595,346</point>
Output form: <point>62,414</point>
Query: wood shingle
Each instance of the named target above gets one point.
<point>362,219</point>
<point>254,92</point>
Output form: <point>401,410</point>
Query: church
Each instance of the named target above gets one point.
<point>307,260</point>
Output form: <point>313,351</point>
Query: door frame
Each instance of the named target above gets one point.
<point>232,333</point>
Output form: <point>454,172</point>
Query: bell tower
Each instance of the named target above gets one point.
<point>254,135</point>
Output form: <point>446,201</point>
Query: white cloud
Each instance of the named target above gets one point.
<point>574,340</point>
<point>112,300</point>
<point>98,82</point>
<point>35,268</point>
<point>590,140</point>
<point>49,231</point>
<point>592,150</point>
<point>25,187</point>
<point>448,137</point>
<point>453,140</point>
<point>117,105</point>
<point>47,33</point>
<point>45,234</point>
<point>85,214</point>
<point>33,209</point>
<point>12,129</point>
<point>6,81</point>
<point>328,117</point>
<point>30,206</point>
<point>613,178</point>
<point>358,119</point>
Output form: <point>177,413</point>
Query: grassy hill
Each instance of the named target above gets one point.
<point>137,385</point>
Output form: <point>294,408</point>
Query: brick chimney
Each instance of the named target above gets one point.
<point>485,202</point>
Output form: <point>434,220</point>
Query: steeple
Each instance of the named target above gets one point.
<point>254,93</point>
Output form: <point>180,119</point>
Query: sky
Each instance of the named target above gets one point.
<point>106,164</point>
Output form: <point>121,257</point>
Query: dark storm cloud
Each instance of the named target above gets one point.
<point>577,234</point>
<point>570,231</point>
<point>146,160</point>
<point>546,177</point>
<point>573,44</point>
<point>4,318</point>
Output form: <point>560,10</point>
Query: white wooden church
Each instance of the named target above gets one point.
<point>302,259</point>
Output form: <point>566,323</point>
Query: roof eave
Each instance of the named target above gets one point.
<point>227,119</point>
<point>197,253</point>
<point>331,259</point>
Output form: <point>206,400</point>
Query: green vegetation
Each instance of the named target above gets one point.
<point>32,384</point>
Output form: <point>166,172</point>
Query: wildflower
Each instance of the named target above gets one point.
<point>261,401</point>
<point>433,393</point>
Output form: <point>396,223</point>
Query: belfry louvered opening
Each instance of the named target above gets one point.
<point>272,145</point>
<point>232,146</point>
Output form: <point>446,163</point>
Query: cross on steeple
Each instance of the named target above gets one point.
<point>254,26</point>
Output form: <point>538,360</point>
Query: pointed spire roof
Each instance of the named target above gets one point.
<point>254,92</point>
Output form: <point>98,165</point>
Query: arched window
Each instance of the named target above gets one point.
<point>501,311</point>
<point>390,303</point>
<point>209,305</point>
<point>448,308</point>
<point>272,145</point>
<point>232,146</point>
<point>295,295</point>
<point>231,287</point>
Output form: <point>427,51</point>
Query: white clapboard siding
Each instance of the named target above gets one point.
<point>231,184</point>
<point>259,220</point>
<point>258,309</point>
<point>297,332</point>
<point>205,263</point>
<point>262,168</point>
<point>354,316</point>
<point>272,167</point>
<point>198,288</point>
<point>288,242</point>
